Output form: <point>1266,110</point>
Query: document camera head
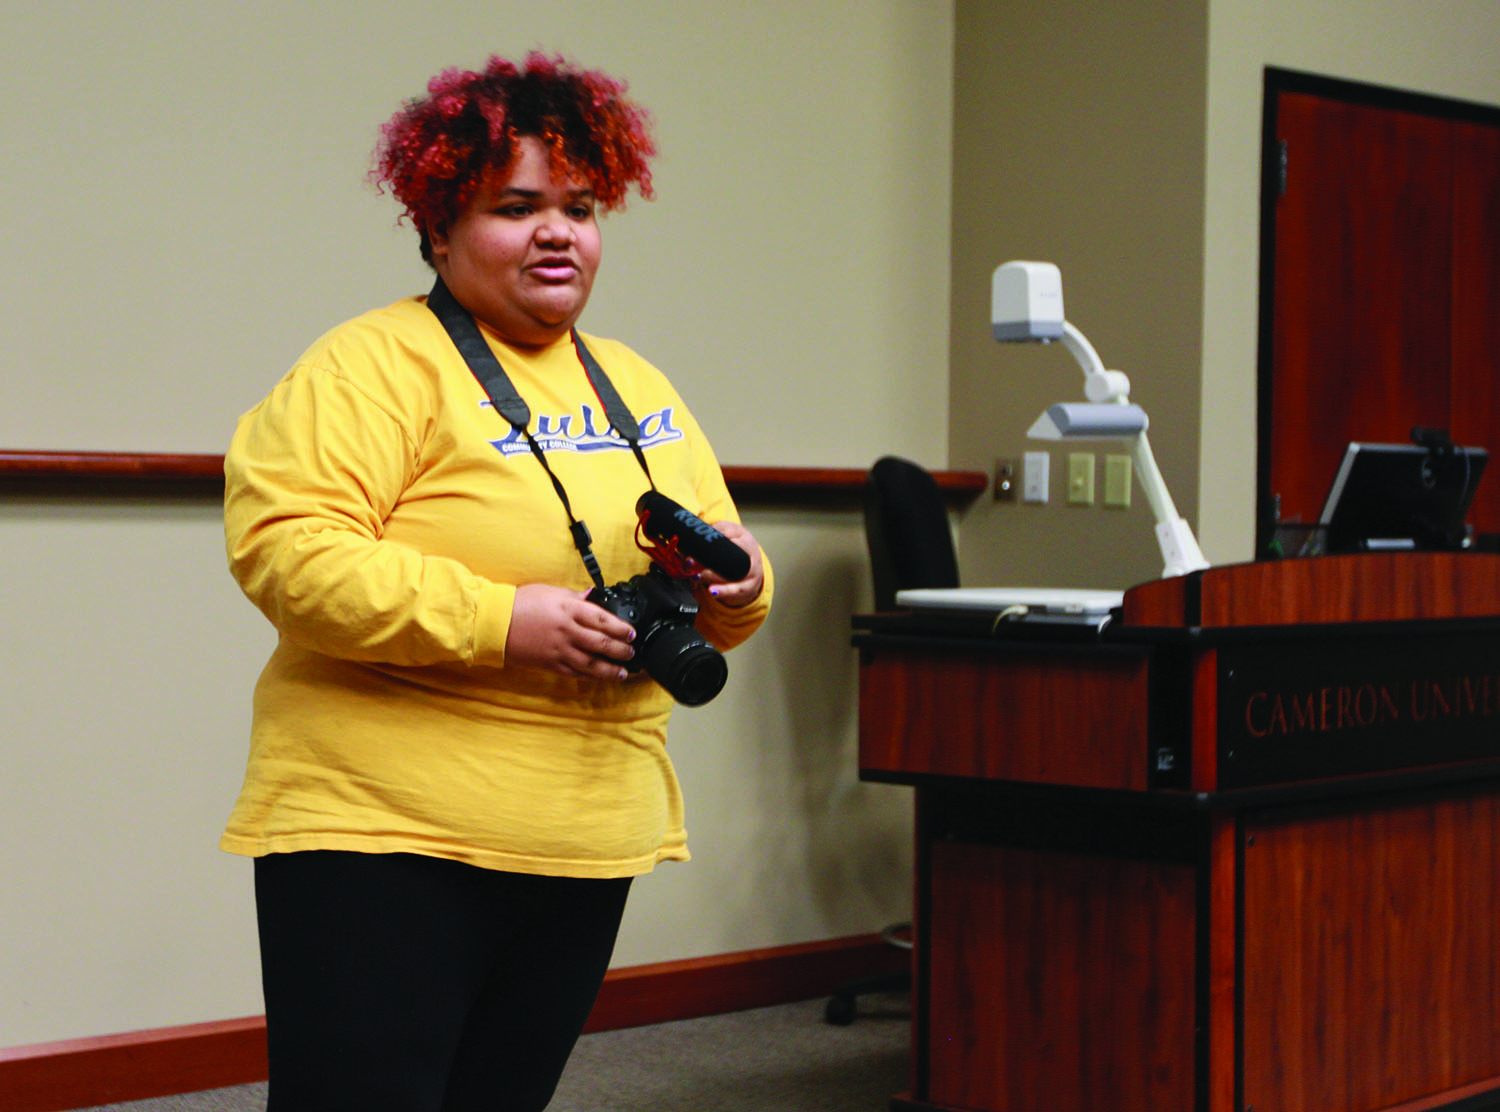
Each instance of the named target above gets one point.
<point>1026,303</point>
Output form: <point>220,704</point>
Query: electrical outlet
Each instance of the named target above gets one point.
<point>1080,478</point>
<point>1117,478</point>
<point>1034,483</point>
<point>1006,473</point>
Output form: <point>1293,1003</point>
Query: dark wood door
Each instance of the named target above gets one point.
<point>1476,302</point>
<point>1379,285</point>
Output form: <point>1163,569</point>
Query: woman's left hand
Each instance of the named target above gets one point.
<point>741,592</point>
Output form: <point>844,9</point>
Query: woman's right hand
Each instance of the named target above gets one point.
<point>556,629</point>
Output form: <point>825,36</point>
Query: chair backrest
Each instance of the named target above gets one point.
<point>907,530</point>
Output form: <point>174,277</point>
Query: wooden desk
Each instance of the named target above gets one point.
<point>1239,851</point>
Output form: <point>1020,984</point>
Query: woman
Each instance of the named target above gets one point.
<point>453,776</point>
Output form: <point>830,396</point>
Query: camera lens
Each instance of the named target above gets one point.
<point>691,669</point>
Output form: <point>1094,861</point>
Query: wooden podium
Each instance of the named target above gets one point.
<point>1239,851</point>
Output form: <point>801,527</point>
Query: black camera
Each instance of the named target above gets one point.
<point>673,653</point>
<point>660,604</point>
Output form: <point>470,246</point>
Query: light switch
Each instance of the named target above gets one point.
<point>1117,477</point>
<point>1081,478</point>
<point>1037,465</point>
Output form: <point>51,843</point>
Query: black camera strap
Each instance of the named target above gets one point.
<point>503,395</point>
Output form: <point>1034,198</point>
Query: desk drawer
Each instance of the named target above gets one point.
<point>1040,717</point>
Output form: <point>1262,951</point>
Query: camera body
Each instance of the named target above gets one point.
<point>661,609</point>
<point>660,604</point>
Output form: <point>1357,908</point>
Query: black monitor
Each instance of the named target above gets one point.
<point>1401,496</point>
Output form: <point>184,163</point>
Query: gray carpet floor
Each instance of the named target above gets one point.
<point>782,1059</point>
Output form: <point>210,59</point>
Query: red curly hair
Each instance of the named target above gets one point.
<point>438,150</point>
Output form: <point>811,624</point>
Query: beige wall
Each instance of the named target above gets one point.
<point>1122,141</point>
<point>193,213</point>
<point>1446,50</point>
<point>1078,139</point>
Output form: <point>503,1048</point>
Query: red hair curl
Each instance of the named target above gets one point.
<point>437,151</point>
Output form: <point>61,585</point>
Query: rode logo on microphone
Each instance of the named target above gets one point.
<point>697,525</point>
<point>587,431</point>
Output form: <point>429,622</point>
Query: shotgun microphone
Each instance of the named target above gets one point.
<point>666,521</point>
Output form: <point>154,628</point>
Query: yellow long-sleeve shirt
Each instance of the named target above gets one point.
<point>381,515</point>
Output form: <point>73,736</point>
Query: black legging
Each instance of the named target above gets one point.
<point>403,983</point>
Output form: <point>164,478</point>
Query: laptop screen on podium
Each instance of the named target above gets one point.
<point>1390,497</point>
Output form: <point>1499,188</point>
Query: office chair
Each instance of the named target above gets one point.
<point>911,545</point>
<point>906,530</point>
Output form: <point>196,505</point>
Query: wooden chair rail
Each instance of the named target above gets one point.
<point>96,474</point>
